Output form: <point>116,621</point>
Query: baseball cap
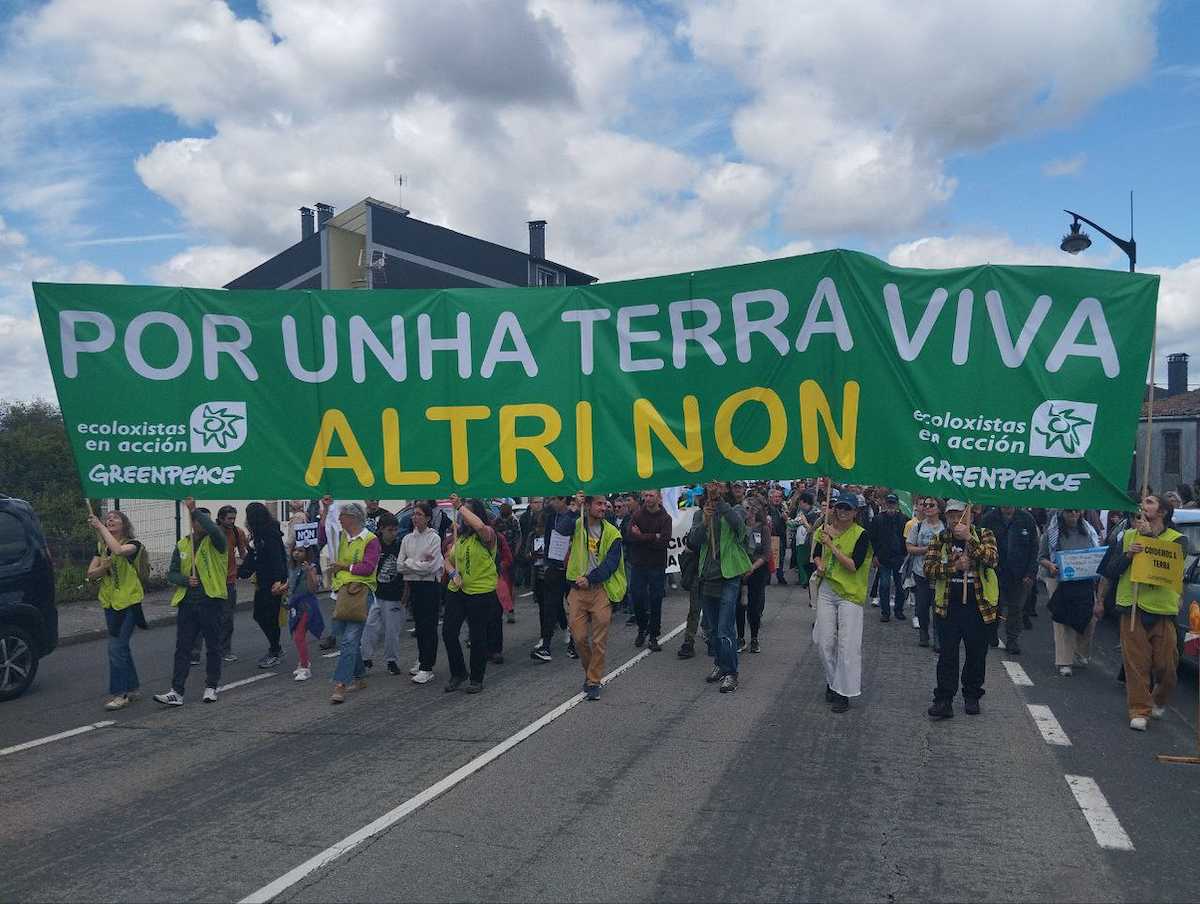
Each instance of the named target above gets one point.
<point>891,497</point>
<point>955,505</point>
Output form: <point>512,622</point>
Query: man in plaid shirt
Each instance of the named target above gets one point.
<point>961,564</point>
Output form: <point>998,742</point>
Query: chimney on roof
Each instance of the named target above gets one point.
<point>1177,374</point>
<point>306,223</point>
<point>324,214</point>
<point>537,239</point>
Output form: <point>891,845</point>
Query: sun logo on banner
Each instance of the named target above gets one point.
<point>1062,429</point>
<point>218,426</point>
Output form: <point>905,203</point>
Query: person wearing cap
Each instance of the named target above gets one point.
<point>842,554</point>
<point>961,564</point>
<point>887,539</point>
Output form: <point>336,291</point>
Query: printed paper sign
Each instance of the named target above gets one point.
<point>1161,564</point>
<point>1080,564</point>
<point>306,534</point>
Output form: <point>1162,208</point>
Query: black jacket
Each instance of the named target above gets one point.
<point>1016,544</point>
<point>886,531</point>
<point>267,559</point>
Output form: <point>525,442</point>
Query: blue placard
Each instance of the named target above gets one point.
<point>1080,564</point>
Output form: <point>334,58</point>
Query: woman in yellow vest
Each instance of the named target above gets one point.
<point>1149,644</point>
<point>843,564</point>
<point>115,566</point>
<point>470,594</point>
<point>199,570</point>
<point>354,562</point>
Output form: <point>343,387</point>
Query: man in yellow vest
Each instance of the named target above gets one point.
<point>961,564</point>
<point>1149,644</point>
<point>596,576</point>
<point>199,568</point>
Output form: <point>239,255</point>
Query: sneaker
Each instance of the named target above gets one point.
<point>170,698</point>
<point>118,702</point>
<point>654,645</point>
<point>571,651</point>
<point>475,687</point>
<point>1082,662</point>
<point>210,695</point>
<point>1064,671</point>
<point>195,658</point>
<point>923,639</point>
<point>754,647</point>
<point>392,668</point>
<point>1158,711</point>
<point>268,662</point>
<point>591,692</point>
<point>729,684</point>
<point>423,677</point>
<point>840,704</point>
<point>368,664</point>
<point>715,675</point>
<point>940,711</point>
<point>971,707</point>
<point>229,657</point>
<point>416,668</point>
<point>640,639</point>
<point>1138,723</point>
<point>916,623</point>
<point>455,682</point>
<point>338,695</point>
<point>875,601</point>
<point>328,642</point>
<point>412,632</point>
<point>302,674</point>
<point>512,618</point>
<point>496,659</point>
<point>741,645</point>
<point>687,650</point>
<point>541,653</point>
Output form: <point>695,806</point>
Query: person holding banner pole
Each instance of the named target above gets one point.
<point>842,553</point>
<point>115,566</point>
<point>1072,602</point>
<point>1149,642</point>
<point>198,570</point>
<point>470,594</point>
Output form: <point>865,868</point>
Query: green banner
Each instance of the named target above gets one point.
<point>1015,384</point>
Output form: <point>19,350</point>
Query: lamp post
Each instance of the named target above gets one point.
<point>1075,241</point>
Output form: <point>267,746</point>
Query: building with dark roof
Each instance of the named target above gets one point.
<point>375,245</point>
<point>1175,449</point>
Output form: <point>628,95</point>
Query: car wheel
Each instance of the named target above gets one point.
<point>18,661</point>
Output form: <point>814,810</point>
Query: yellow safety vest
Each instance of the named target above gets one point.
<point>351,552</point>
<point>577,562</point>
<point>120,587</point>
<point>212,568</point>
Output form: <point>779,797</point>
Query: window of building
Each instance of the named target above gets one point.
<point>1172,460</point>
<point>547,277</point>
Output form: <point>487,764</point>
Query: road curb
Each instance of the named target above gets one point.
<point>153,622</point>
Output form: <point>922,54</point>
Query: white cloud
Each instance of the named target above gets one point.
<point>206,266</point>
<point>1066,166</point>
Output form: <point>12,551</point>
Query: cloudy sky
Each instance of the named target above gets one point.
<point>171,141</point>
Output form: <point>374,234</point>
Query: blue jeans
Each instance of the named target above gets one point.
<point>889,580</point>
<point>350,662</point>
<point>721,615</point>
<point>647,585</point>
<point>122,673</point>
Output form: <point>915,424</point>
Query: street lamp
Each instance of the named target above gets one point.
<point>1077,240</point>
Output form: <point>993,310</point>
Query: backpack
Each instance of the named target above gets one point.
<point>689,568</point>
<point>141,565</point>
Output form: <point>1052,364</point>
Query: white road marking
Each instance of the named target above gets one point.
<point>1017,674</point>
<point>17,748</point>
<point>1052,732</point>
<point>1099,814</point>
<point>232,684</point>
<point>389,819</point>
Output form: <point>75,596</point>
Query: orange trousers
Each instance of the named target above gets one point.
<point>592,607</point>
<point>1148,652</point>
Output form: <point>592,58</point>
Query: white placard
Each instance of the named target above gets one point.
<point>305,534</point>
<point>559,545</point>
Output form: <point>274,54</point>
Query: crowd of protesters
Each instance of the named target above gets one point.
<point>969,576</point>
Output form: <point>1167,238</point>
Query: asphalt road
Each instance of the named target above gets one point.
<point>664,790</point>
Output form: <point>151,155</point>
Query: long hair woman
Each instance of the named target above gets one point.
<point>268,563</point>
<point>121,592</point>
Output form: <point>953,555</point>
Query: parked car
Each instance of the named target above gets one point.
<point>1187,522</point>
<point>28,616</point>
